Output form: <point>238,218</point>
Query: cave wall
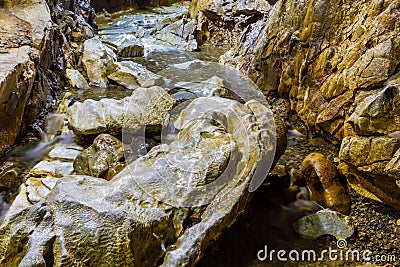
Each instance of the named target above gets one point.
<point>336,64</point>
<point>35,49</point>
<point>324,56</point>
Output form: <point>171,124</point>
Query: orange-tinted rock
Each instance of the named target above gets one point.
<point>114,170</point>
<point>322,180</point>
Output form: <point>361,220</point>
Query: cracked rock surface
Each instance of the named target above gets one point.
<point>132,219</point>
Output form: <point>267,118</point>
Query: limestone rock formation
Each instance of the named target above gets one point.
<point>323,56</point>
<point>34,52</point>
<point>17,74</point>
<point>146,106</point>
<point>97,58</point>
<point>132,219</point>
<point>370,153</point>
<point>130,74</point>
<point>377,114</point>
<point>337,63</point>
<point>222,21</point>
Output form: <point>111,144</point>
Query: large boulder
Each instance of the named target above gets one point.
<point>130,74</point>
<point>146,106</point>
<point>97,58</point>
<point>164,207</point>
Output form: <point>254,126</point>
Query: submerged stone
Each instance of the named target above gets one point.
<point>324,222</point>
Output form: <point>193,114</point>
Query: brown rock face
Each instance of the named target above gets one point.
<point>33,54</point>
<point>220,22</point>
<point>370,154</point>
<point>322,55</point>
<point>17,74</point>
<point>338,64</point>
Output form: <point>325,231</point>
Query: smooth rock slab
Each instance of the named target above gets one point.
<point>130,74</point>
<point>146,106</point>
<point>65,151</point>
<point>53,168</point>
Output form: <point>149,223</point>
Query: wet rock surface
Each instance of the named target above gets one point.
<point>291,42</point>
<point>34,52</point>
<point>323,57</point>
<point>321,177</point>
<point>95,160</point>
<point>369,153</point>
<point>152,222</point>
<point>146,106</point>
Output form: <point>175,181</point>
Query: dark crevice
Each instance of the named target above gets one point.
<point>49,255</point>
<point>272,2</point>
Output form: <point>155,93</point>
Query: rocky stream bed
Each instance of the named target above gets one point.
<point>199,133</point>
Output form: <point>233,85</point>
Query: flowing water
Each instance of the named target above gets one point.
<point>239,244</point>
<point>158,56</point>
